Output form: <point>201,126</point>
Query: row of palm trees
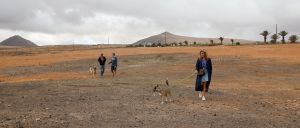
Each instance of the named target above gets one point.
<point>222,39</point>
<point>275,37</point>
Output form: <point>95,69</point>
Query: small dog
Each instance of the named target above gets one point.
<point>93,71</point>
<point>163,91</point>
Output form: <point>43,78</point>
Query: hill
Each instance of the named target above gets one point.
<point>169,38</point>
<point>17,41</point>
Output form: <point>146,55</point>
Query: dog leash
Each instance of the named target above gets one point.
<point>121,71</point>
<point>185,78</point>
<point>178,80</point>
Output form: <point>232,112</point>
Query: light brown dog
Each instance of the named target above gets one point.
<point>93,71</point>
<point>163,91</point>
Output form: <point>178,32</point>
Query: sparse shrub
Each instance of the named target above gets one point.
<point>129,45</point>
<point>159,45</point>
<point>195,43</point>
<point>186,43</point>
<point>237,43</point>
<point>174,44</point>
<point>274,38</point>
<point>158,55</point>
<point>293,38</point>
<point>168,58</point>
<point>125,60</point>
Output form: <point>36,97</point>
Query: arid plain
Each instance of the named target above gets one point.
<point>252,86</point>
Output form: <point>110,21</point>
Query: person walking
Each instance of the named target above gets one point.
<point>114,64</point>
<point>204,72</point>
<point>102,61</point>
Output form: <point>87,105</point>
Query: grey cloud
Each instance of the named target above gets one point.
<point>129,20</point>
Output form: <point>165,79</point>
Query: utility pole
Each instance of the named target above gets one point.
<point>276,30</point>
<point>276,34</point>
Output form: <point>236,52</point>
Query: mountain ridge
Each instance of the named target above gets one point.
<point>167,37</point>
<point>17,40</point>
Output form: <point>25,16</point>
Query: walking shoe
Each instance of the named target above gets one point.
<point>200,95</point>
<point>203,98</point>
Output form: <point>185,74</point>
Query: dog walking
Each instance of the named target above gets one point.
<point>102,61</point>
<point>114,64</point>
<point>204,72</point>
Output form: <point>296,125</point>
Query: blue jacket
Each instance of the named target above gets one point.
<point>114,61</point>
<point>198,86</point>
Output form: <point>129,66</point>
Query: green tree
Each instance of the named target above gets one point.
<point>265,35</point>
<point>174,44</point>
<point>186,43</point>
<point>153,45</point>
<point>180,44</point>
<point>232,41</point>
<point>293,38</point>
<point>274,38</point>
<point>211,42</point>
<point>166,45</point>
<point>221,39</point>
<point>159,44</point>
<point>283,34</point>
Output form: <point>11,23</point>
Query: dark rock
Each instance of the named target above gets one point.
<point>7,119</point>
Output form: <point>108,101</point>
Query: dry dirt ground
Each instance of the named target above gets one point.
<point>252,86</point>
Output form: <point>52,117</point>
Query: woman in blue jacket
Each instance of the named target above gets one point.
<point>203,64</point>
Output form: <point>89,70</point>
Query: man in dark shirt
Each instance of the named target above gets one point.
<point>101,61</point>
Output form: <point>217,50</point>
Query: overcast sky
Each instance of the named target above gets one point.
<point>126,21</point>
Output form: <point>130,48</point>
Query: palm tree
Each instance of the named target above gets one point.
<point>174,44</point>
<point>186,43</point>
<point>283,34</point>
<point>221,39</point>
<point>180,44</point>
<point>159,45</point>
<point>211,42</point>
<point>274,38</point>
<point>265,35</point>
<point>195,43</point>
<point>232,41</point>
<point>153,45</point>
<point>293,38</point>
